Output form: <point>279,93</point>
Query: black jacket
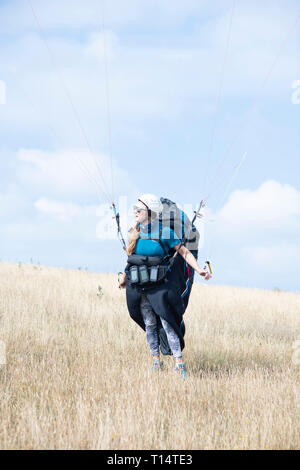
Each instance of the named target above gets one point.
<point>166,298</point>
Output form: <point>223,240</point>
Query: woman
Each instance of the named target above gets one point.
<point>160,304</point>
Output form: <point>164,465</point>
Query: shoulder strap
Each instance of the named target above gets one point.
<point>159,238</point>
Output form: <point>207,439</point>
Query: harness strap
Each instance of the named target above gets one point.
<point>159,238</point>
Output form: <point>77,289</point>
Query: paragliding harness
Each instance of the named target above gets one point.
<point>149,273</point>
<point>145,271</point>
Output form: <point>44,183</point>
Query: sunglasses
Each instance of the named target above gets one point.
<point>138,209</point>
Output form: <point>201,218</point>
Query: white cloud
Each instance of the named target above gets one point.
<point>275,258</point>
<point>147,79</point>
<point>64,171</point>
<point>71,15</point>
<point>64,210</point>
<point>76,172</point>
<point>12,203</point>
<point>259,232</point>
<point>272,207</point>
<point>101,45</point>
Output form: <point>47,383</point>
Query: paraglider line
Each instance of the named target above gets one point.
<point>75,112</point>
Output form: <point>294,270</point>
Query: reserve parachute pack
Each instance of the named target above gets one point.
<point>173,217</point>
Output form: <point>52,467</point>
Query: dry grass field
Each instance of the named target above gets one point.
<point>78,370</point>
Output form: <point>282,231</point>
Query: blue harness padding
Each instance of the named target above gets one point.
<point>158,238</point>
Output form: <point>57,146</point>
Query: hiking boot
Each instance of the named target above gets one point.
<point>181,370</point>
<point>157,365</point>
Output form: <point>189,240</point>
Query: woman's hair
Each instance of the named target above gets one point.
<point>133,238</point>
<point>135,234</point>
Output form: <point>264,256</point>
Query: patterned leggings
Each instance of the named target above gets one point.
<point>150,320</point>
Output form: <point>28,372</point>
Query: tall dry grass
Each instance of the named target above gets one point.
<point>78,370</point>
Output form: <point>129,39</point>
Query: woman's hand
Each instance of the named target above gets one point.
<point>191,260</point>
<point>122,281</point>
<point>205,274</point>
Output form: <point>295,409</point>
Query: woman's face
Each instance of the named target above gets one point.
<point>140,213</point>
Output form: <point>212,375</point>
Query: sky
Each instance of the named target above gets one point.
<point>103,101</point>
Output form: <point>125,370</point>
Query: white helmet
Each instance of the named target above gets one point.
<point>152,202</point>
